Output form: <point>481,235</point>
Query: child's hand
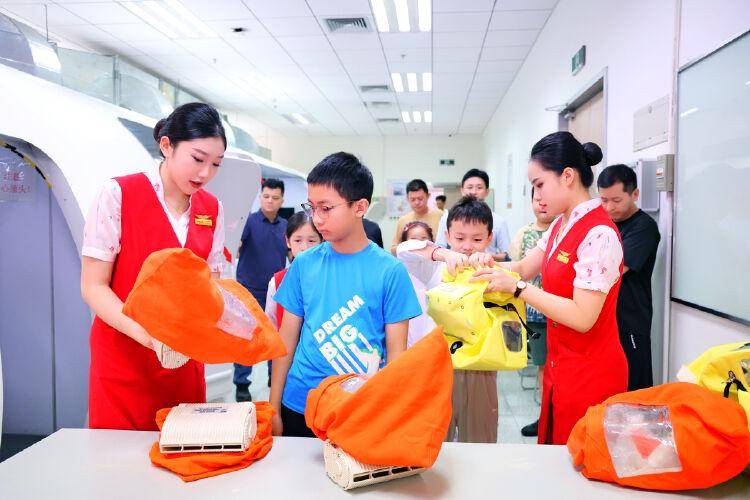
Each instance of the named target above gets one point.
<point>479,260</point>
<point>277,426</point>
<point>456,262</point>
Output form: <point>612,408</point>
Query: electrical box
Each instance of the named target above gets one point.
<point>665,173</point>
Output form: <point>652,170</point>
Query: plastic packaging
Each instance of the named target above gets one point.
<point>236,319</point>
<point>640,440</point>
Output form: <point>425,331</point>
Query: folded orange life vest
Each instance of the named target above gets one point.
<point>398,417</point>
<point>194,466</point>
<point>674,436</point>
<point>212,321</point>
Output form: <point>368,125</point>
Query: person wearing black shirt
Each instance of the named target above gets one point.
<point>618,190</point>
<point>372,230</point>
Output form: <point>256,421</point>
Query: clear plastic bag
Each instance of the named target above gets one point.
<point>236,319</point>
<point>640,439</point>
<point>513,335</point>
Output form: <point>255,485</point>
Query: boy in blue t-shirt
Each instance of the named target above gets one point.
<point>347,301</point>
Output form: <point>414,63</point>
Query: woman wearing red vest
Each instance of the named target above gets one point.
<point>580,258</point>
<point>132,217</point>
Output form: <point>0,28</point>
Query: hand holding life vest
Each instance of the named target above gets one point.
<point>179,304</point>
<point>484,330</point>
<point>397,417</point>
<point>674,436</point>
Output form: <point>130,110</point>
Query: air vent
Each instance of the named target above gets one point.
<point>348,25</point>
<point>379,104</point>
<point>374,88</point>
<point>388,120</point>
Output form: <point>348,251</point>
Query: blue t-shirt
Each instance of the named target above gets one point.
<point>345,301</point>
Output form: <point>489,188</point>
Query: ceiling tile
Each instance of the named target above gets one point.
<point>454,67</point>
<point>525,4</point>
<point>293,26</point>
<point>460,21</point>
<point>498,66</point>
<point>408,55</point>
<point>278,8</point>
<point>451,54</point>
<point>409,67</point>
<point>36,14</point>
<point>458,39</point>
<point>339,8</point>
<point>354,41</point>
<point>462,5</point>
<point>217,10</point>
<point>504,53</point>
<point>128,32</point>
<point>363,57</point>
<point>510,37</point>
<point>103,13</point>
<point>519,19</point>
<point>406,40</point>
<point>253,28</point>
<point>319,42</point>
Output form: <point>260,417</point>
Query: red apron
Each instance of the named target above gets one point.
<point>277,278</point>
<point>127,384</point>
<point>583,369</point>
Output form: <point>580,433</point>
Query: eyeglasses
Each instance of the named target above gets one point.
<point>323,210</point>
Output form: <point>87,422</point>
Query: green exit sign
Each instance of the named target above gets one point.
<point>579,60</point>
<point>447,163</point>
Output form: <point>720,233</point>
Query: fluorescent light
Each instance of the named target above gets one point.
<point>427,82</point>
<point>688,112</point>
<point>398,83</point>
<point>425,15</point>
<point>417,116</point>
<point>402,15</point>
<point>301,119</point>
<point>169,18</point>
<point>428,116</point>
<point>411,79</point>
<point>381,16</point>
<point>136,9</point>
<point>405,117</point>
<point>191,18</point>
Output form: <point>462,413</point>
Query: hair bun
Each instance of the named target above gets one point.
<point>158,128</point>
<point>593,153</point>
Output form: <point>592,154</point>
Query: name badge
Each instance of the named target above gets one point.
<point>563,257</point>
<point>203,220</point>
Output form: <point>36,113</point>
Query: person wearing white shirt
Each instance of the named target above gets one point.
<point>477,183</point>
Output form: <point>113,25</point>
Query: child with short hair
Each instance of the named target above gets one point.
<point>347,301</point>
<point>469,232</point>
<point>422,324</point>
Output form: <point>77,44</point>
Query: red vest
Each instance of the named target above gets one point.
<point>277,278</point>
<point>127,384</point>
<point>583,369</point>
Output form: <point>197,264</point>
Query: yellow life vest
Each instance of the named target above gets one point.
<point>724,369</point>
<point>485,331</point>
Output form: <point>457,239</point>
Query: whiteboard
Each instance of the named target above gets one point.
<point>711,256</point>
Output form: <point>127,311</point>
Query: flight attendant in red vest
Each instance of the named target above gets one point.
<point>580,258</point>
<point>132,217</point>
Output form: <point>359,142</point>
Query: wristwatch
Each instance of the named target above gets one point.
<point>520,287</point>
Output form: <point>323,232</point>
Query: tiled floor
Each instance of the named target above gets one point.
<point>516,406</point>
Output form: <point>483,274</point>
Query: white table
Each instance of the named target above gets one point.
<point>99,464</point>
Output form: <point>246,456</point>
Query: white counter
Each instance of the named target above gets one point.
<point>98,464</point>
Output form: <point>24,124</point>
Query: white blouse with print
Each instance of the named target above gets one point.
<point>599,254</point>
<point>102,232</point>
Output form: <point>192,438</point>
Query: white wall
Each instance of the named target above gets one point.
<point>635,42</point>
<point>388,157</point>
